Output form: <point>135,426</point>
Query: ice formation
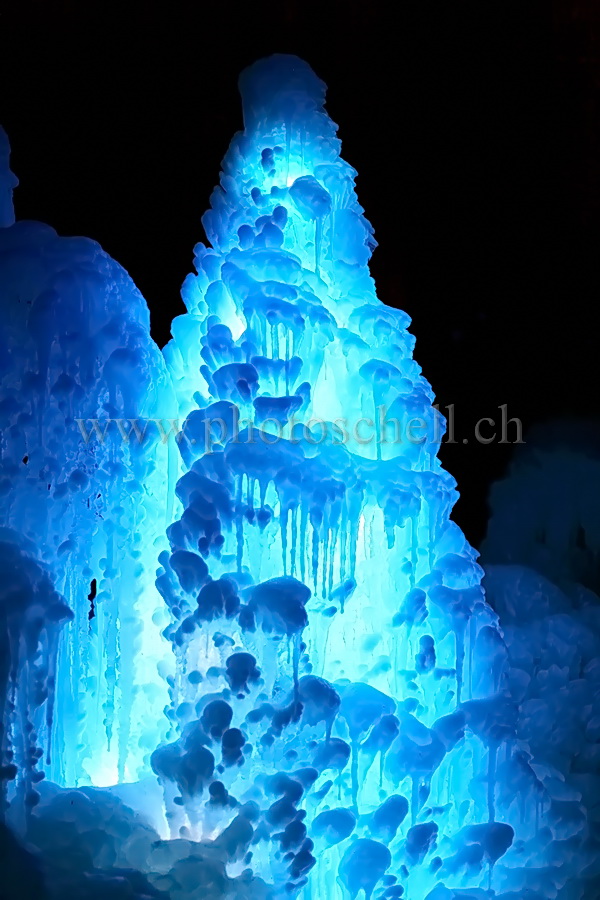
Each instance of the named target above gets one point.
<point>339,694</point>
<point>83,508</point>
<point>342,717</point>
<point>542,578</point>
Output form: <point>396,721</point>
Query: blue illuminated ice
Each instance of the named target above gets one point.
<point>268,631</point>
<point>83,504</point>
<point>340,700</point>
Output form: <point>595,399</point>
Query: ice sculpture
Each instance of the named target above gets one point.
<point>344,719</point>
<point>83,510</point>
<point>339,704</point>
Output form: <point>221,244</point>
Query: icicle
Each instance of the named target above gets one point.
<point>492,751</point>
<point>326,560</point>
<point>283,527</point>
<point>332,545</point>
<point>239,523</point>
<point>316,541</point>
<point>472,637</point>
<point>353,542</point>
<point>318,238</point>
<point>414,548</point>
<point>129,642</point>
<point>296,664</point>
<point>52,652</point>
<point>294,538</point>
<point>431,545</point>
<point>459,633</point>
<point>303,531</point>
<point>343,540</point>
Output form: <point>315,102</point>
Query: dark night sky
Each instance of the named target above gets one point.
<point>473,128</point>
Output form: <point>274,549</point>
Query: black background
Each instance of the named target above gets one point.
<point>474,129</point>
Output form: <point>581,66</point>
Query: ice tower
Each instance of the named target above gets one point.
<point>83,509</point>
<point>339,707</point>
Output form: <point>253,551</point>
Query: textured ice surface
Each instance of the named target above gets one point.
<point>343,718</point>
<point>81,501</point>
<point>340,699</point>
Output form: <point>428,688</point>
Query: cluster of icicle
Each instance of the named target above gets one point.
<point>343,723</point>
<point>343,718</point>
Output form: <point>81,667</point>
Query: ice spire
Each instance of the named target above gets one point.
<point>340,702</point>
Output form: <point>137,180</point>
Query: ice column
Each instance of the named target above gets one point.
<point>339,707</point>
<point>84,485</point>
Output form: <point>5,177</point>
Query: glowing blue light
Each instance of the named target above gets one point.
<point>317,700</point>
<point>81,499</point>
<point>327,614</point>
